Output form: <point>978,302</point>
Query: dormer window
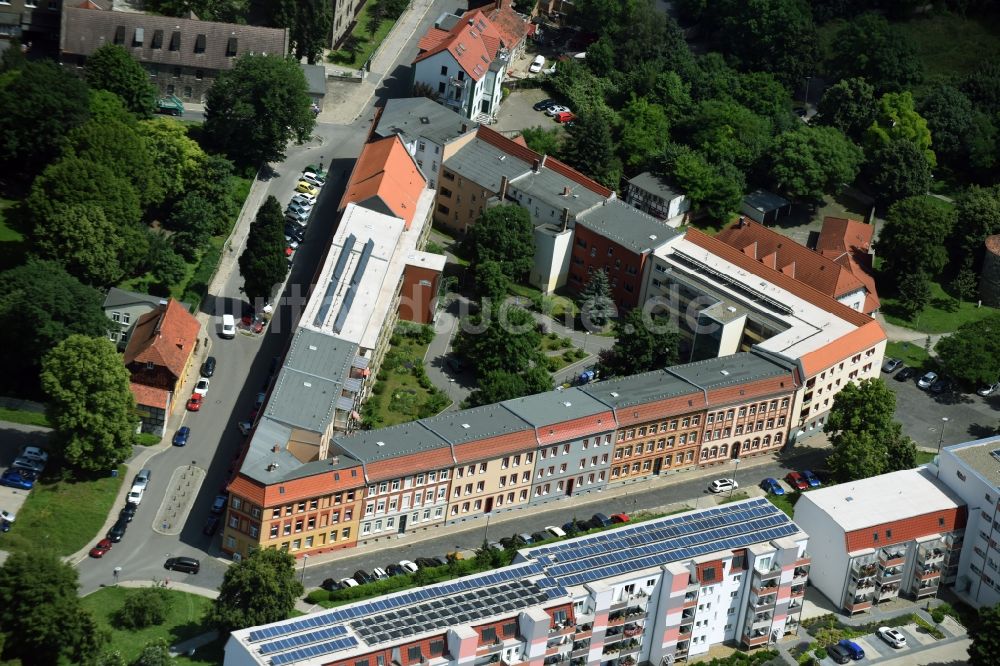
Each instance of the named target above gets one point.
<point>231,47</point>
<point>120,35</point>
<point>199,44</point>
<point>175,40</point>
<point>157,42</point>
<point>139,36</point>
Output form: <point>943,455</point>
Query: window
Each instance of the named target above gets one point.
<point>489,634</point>
<point>414,654</point>
<point>199,44</point>
<point>436,648</point>
<point>444,70</point>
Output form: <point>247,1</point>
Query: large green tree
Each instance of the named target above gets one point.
<point>727,133</point>
<point>499,385</point>
<point>809,161</point>
<point>259,589</point>
<point>913,236</point>
<point>714,189</point>
<point>896,170</point>
<point>979,211</point>
<point>308,23</point>
<point>776,36</point>
<point>590,147</point>
<point>642,343</point>
<point>596,305</point>
<point>40,305</point>
<point>41,619</point>
<point>177,157</point>
<point>39,104</point>
<point>544,141</point>
<point>154,653</point>
<point>257,107</point>
<point>83,240</point>
<point>503,338</point>
<point>972,353</point>
<point>90,405</point>
<point>896,119</point>
<point>121,147</point>
<point>985,635</point>
<point>263,264</point>
<point>950,120</point>
<point>850,106</point>
<point>505,235</point>
<point>491,282</point>
<point>112,68</point>
<point>644,134</point>
<point>869,47</point>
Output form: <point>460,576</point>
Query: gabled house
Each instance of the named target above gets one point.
<point>464,59</point>
<point>158,355</point>
<point>654,195</point>
<point>849,243</point>
<point>123,309</point>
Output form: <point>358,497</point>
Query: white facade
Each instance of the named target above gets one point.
<point>456,89</point>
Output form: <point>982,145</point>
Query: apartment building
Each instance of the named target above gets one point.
<point>972,471</point>
<point>655,592</point>
<point>654,195</point>
<point>876,539</point>
<point>183,56</point>
<point>28,20</point>
<point>849,243</point>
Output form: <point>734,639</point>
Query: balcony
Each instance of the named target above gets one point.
<point>858,605</point>
<point>800,573</point>
<point>764,619</point>
<point>632,631</point>
<point>928,573</point>
<point>804,561</point>
<point>690,600</point>
<point>887,592</point>
<point>635,613</point>
<point>798,590</point>
<point>755,639</point>
<point>926,590</point>
<point>931,555</point>
<point>890,574</point>
<point>765,602</point>
<point>864,571</point>
<point>687,617</point>
<point>891,558</point>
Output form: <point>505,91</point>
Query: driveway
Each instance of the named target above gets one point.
<point>516,113</point>
<point>13,438</point>
<point>919,646</point>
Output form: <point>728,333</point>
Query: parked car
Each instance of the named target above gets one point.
<point>394,570</point>
<point>245,427</point>
<point>989,390</point>
<point>427,562</point>
<point>14,479</point>
<point>211,525</point>
<point>142,478</point>
<point>838,654</point>
<point>942,385</point>
<point>524,538</point>
<point>540,536</point>
<point>905,373</point>
<point>556,108</point>
<point>304,199</point>
<point>722,485</point>
<point>313,178</point>
<point>348,582</point>
<point>295,232</point>
<point>135,495</point>
<point>185,564</point>
<point>557,532</point>
<point>101,548</point>
<point>307,188</point>
<point>544,104</point>
<point>811,479</point>
<point>796,481</point>
<point>618,518</point>
<point>537,64</point>
<point>228,327</point>
<point>408,566</point>
<point>575,527</point>
<point>564,117</point>
<point>892,636</point>
<point>301,219</point>
<point>927,380</point>
<point>202,386</point>
<point>599,520</point>
<point>219,504</point>
<point>29,465</point>
<point>117,530</point>
<point>194,402</point>
<point>890,365</point>
<point>128,511</point>
<point>330,585</point>
<point>363,577</point>
<point>771,485</point>
<point>7,519</point>
<point>34,453</point>
<point>852,649</point>
<point>181,436</point>
<point>208,367</point>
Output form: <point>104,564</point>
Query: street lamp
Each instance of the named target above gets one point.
<point>944,424</point>
<point>587,333</point>
<point>303,577</point>
<point>733,487</point>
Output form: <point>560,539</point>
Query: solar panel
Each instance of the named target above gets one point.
<point>311,651</point>
<point>299,640</point>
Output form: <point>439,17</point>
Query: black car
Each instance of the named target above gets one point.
<point>941,386</point>
<point>329,584</point>
<point>211,525</point>
<point>395,570</point>
<point>544,104</point>
<point>904,374</point>
<point>185,564</point>
<point>838,654</point>
<point>426,562</point>
<point>128,513</point>
<point>295,231</point>
<point>541,536</point>
<point>574,527</point>
<point>362,577</point>
<point>599,520</point>
<point>208,367</point>
<point>117,530</point>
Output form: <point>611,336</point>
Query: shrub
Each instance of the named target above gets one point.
<point>552,363</point>
<point>820,653</point>
<point>379,388</point>
<point>145,607</point>
<point>569,355</point>
<point>318,596</point>
<point>425,382</point>
<point>564,343</point>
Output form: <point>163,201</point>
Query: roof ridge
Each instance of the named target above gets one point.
<point>566,170</point>
<point>509,146</point>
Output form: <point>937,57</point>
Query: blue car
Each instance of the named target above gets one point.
<point>772,486</point>
<point>811,479</point>
<point>853,649</point>
<point>12,479</point>
<point>181,436</point>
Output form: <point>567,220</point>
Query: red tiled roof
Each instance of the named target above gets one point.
<point>780,253</point>
<point>164,337</point>
<point>860,266</point>
<point>149,396</point>
<point>843,235</point>
<point>512,27</point>
<point>474,43</point>
<point>509,146</point>
<point>385,170</point>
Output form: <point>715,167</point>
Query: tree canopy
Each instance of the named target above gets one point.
<point>985,635</point>
<point>503,338</point>
<point>716,189</point>
<point>90,405</point>
<point>776,36</point>
<point>259,589</point>
<point>913,236</point>
<point>811,161</point>
<point>597,307</point>
<point>645,132</point>
<point>83,240</point>
<point>642,343</point>
<point>263,264</point>
<point>896,119</point>
<point>504,235</point>
<point>868,47</point>
<point>308,22</point>
<point>849,105</point>
<point>257,107</point>
<point>896,170</point>
<point>972,353</point>
<point>112,68</point>
<point>589,146</point>
<point>979,210</point>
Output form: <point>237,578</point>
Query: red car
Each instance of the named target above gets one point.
<point>564,117</point>
<point>194,402</point>
<point>103,546</point>
<point>619,518</point>
<point>797,481</point>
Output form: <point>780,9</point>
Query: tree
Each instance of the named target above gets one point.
<point>177,157</point>
<point>856,455</point>
<point>420,89</point>
<point>869,405</point>
<point>950,120</point>
<point>717,190</point>
<point>985,635</point>
<point>40,305</point>
<point>144,607</point>
<point>193,213</point>
<point>849,105</point>
<point>596,305</point>
<point>166,266</point>
<point>727,133</point>
<point>868,47</point>
<point>505,338</point>
<point>40,104</point>
<point>259,589</point>
<point>263,263</point>
<point>504,234</point>
<point>257,107</point>
<point>896,119</point>
<point>309,23</point>
<point>913,236</point>
<point>914,293</point>
<point>765,95</point>
<point>645,132</point>
<point>544,141</point>
<point>154,653</point>
<point>497,386</point>
<point>776,36</point>
<point>972,353</point>
<point>491,282</point>
<point>91,407</point>
<point>376,13</point>
<point>642,343</point>
<point>896,170</point>
<point>979,210</point>
<point>809,161</point>
<point>83,240</point>
<point>589,147</point>
<point>41,618</point>
<point>112,68</point>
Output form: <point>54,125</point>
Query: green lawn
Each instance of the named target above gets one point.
<point>942,315</point>
<point>6,233</point>
<point>63,516</point>
<point>398,396</point>
<point>24,416</point>
<point>12,244</point>
<point>784,502</point>
<point>934,39</point>
<point>924,457</point>
<point>184,621</point>
<point>911,353</point>
<point>368,42</point>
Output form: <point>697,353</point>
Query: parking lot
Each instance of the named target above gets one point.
<point>516,112</point>
<point>877,650</point>
<point>16,437</point>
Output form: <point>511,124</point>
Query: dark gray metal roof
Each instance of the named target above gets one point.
<point>484,164</point>
<point>731,370</point>
<point>385,443</point>
<point>315,79</point>
<point>476,423</point>
<point>544,409</point>
<point>311,380</point>
<point>765,201</point>
<point>413,117</point>
<point>654,184</point>
<point>117,298</point>
<point>627,226</point>
<point>551,188</point>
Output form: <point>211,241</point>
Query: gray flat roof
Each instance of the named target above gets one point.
<point>315,78</point>
<point>476,423</point>
<point>654,184</point>
<point>418,116</point>
<point>484,164</point>
<point>116,298</point>
<point>638,389</point>
<point>311,380</point>
<point>730,370</point>
<point>765,201</point>
<point>284,466</point>
<point>545,409</point>
<point>550,187</point>
<point>385,443</point>
<point>627,226</point>
<point>979,456</point>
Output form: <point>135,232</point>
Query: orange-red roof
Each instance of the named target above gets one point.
<point>855,342</point>
<point>385,179</point>
<point>164,337</point>
<point>844,235</point>
<point>149,396</point>
<point>780,253</point>
<point>513,29</point>
<point>474,42</point>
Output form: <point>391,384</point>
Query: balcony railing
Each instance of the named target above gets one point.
<point>800,572</point>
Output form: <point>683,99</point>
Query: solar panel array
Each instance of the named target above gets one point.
<point>298,640</point>
<point>331,289</point>
<point>313,651</point>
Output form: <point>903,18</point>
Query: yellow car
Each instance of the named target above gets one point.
<point>307,188</point>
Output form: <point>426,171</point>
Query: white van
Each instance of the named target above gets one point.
<point>228,327</point>
<point>537,64</point>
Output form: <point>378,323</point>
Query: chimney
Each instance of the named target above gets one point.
<point>565,219</point>
<point>535,165</point>
<point>502,194</point>
<point>275,448</point>
<point>465,128</point>
<point>566,191</point>
<point>743,222</point>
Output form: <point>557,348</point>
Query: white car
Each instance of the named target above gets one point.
<point>299,218</point>
<point>893,637</point>
<point>135,495</point>
<point>304,199</point>
<point>27,463</point>
<point>348,582</point>
<point>7,516</point>
<point>989,390</point>
<point>928,379</point>
<point>379,573</point>
<point>302,209</point>
<point>553,110</point>
<point>35,453</point>
<point>312,179</point>
<point>557,532</point>
<point>537,64</point>
<point>201,388</point>
<point>409,566</point>
<point>228,327</point>
<point>722,485</point>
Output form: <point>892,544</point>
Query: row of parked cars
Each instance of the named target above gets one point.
<point>556,111</point>
<point>25,469</point>
<point>300,207</point>
<point>930,380</point>
<point>846,650</point>
<point>125,516</point>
